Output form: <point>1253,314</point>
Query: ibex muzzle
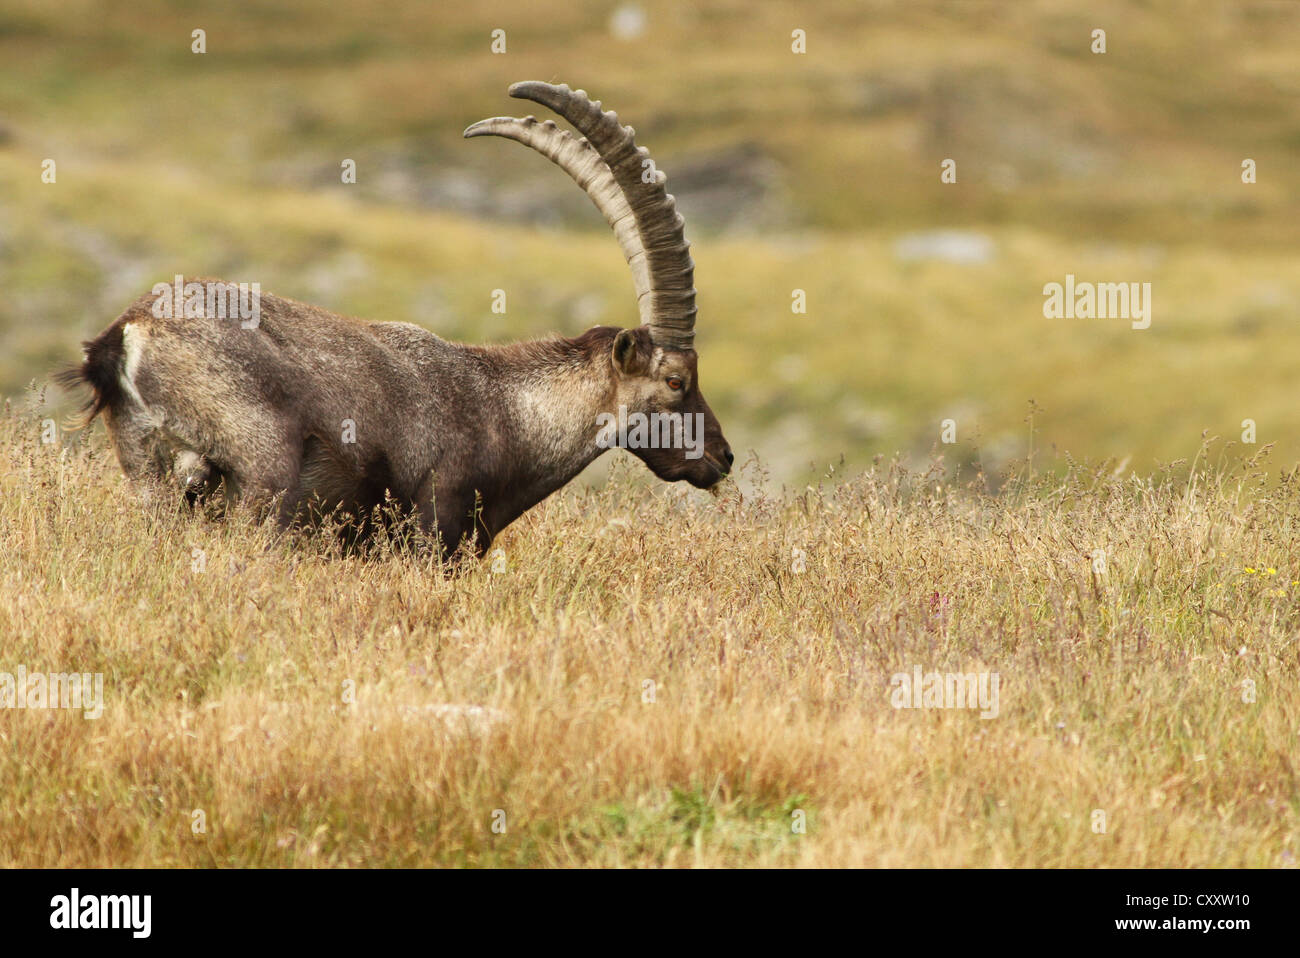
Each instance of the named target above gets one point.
<point>320,414</point>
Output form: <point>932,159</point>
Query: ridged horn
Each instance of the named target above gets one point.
<point>580,160</point>
<point>654,241</point>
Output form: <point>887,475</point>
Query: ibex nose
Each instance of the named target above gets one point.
<point>730,457</point>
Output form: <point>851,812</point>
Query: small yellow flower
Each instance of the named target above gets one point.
<point>1250,570</point>
<point>1272,571</point>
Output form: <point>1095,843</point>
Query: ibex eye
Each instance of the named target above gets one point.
<point>674,383</point>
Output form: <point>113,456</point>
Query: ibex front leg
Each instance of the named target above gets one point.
<point>454,518</point>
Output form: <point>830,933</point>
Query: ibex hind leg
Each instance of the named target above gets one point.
<point>167,473</point>
<point>198,477</point>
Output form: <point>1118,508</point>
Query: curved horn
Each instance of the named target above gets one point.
<point>667,302</point>
<point>581,161</point>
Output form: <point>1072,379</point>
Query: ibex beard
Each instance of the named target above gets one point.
<point>308,413</point>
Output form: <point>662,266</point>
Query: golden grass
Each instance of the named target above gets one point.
<point>225,689</point>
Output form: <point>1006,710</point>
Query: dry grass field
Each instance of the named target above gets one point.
<point>269,702</point>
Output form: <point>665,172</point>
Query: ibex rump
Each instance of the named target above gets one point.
<point>467,437</point>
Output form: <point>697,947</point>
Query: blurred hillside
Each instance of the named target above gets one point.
<point>817,171</point>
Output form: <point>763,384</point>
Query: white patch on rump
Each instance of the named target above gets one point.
<point>132,349</point>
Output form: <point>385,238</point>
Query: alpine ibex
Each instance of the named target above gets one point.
<point>314,412</point>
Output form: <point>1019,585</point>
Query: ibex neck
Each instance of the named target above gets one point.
<point>550,394</point>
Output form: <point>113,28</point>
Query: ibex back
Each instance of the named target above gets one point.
<point>317,413</point>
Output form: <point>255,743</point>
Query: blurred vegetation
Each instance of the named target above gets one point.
<point>794,171</point>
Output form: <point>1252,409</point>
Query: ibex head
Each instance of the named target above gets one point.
<point>654,371</point>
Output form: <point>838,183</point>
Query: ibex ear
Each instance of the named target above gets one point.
<point>627,357</point>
